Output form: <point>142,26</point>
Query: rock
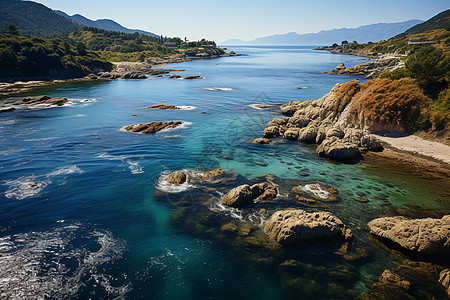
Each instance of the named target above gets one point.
<point>424,236</point>
<point>263,191</point>
<point>308,135</point>
<point>193,77</point>
<point>177,177</point>
<point>371,143</point>
<point>335,132</point>
<point>163,106</point>
<point>293,227</point>
<point>261,141</point>
<point>91,77</point>
<point>392,278</point>
<point>444,279</point>
<point>58,101</point>
<point>338,150</point>
<point>271,132</point>
<point>152,127</point>
<point>238,197</point>
<point>288,110</point>
<point>134,75</point>
<point>174,76</point>
<point>291,134</point>
<point>105,75</point>
<point>213,173</point>
<point>6,109</point>
<point>299,122</point>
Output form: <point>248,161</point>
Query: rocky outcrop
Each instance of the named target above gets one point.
<point>245,194</point>
<point>134,75</point>
<point>152,127</point>
<point>344,119</point>
<point>444,279</point>
<point>369,69</point>
<point>423,236</point>
<point>163,106</point>
<point>174,76</point>
<point>293,227</point>
<point>45,100</point>
<point>177,178</point>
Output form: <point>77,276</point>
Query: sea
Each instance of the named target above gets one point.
<point>86,213</point>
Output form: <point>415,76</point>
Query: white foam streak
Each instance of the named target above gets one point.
<point>167,187</point>
<point>28,186</point>
<point>186,107</point>
<point>217,88</point>
<point>315,190</point>
<point>133,165</point>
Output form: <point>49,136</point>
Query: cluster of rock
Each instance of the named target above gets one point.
<point>325,122</point>
<point>245,194</point>
<point>57,101</point>
<point>180,177</point>
<point>152,127</point>
<point>424,236</point>
<point>369,69</point>
<point>292,227</point>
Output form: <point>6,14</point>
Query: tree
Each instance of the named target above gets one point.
<point>344,43</point>
<point>335,45</point>
<point>12,30</point>
<point>430,67</point>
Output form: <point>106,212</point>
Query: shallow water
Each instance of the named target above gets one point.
<point>81,210</point>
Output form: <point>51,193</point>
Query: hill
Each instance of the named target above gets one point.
<point>33,18</point>
<point>441,20</point>
<point>24,58</point>
<point>364,34</point>
<point>105,24</point>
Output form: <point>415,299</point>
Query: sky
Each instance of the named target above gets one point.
<point>247,19</point>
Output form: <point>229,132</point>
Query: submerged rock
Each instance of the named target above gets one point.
<point>177,177</point>
<point>262,141</point>
<point>292,227</point>
<point>213,173</point>
<point>425,236</point>
<point>152,127</point>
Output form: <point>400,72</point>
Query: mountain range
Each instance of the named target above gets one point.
<point>362,34</point>
<point>106,24</point>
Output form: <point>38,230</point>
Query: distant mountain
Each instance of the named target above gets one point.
<point>33,18</point>
<point>441,20</point>
<point>103,24</point>
<point>362,34</point>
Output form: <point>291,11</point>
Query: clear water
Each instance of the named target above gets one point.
<point>81,215</point>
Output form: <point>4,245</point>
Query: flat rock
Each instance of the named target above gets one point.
<point>193,77</point>
<point>261,141</point>
<point>293,227</point>
<point>425,236</point>
<point>152,127</point>
<point>163,106</point>
<point>213,173</point>
<point>58,101</point>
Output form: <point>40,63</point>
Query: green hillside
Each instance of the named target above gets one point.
<point>33,18</point>
<point>25,57</point>
<point>441,20</point>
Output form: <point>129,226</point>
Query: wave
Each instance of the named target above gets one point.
<point>74,116</point>
<point>167,187</point>
<point>217,88</point>
<point>28,186</point>
<point>42,139</point>
<point>217,206</point>
<point>58,263</point>
<point>186,107</point>
<point>133,165</point>
<point>183,125</point>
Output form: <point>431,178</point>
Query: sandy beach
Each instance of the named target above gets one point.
<point>415,144</point>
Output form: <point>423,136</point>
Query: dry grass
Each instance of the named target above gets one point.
<point>386,101</point>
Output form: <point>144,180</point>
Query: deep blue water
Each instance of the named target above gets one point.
<point>81,215</point>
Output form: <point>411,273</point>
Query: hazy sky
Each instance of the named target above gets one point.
<point>245,19</point>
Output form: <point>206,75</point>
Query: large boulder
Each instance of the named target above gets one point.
<point>291,133</point>
<point>299,121</point>
<point>264,191</point>
<point>292,227</point>
<point>425,236</point>
<point>308,135</point>
<point>337,149</point>
<point>177,177</point>
<point>238,196</point>
<point>272,131</point>
<point>371,143</point>
<point>152,127</point>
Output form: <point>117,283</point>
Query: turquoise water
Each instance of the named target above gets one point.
<point>82,215</point>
